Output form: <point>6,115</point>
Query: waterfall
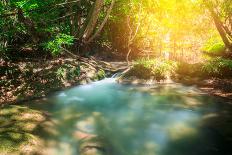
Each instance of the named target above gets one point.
<point>116,75</point>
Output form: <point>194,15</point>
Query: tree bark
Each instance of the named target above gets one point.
<point>103,23</point>
<point>72,17</point>
<point>29,24</point>
<point>220,27</point>
<point>132,36</point>
<point>93,18</point>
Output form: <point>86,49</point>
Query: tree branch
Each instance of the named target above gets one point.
<point>103,23</point>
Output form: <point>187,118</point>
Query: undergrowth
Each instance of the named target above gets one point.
<point>159,69</point>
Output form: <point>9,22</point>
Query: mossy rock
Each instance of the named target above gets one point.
<point>149,71</point>
<point>16,129</point>
<point>140,74</point>
<point>100,74</point>
<point>139,71</point>
<point>18,142</point>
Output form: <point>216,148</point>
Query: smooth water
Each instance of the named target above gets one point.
<point>108,118</point>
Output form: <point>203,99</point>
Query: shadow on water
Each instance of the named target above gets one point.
<point>113,119</point>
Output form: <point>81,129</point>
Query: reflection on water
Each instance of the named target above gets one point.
<point>108,118</point>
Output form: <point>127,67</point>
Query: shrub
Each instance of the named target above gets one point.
<point>56,44</point>
<point>191,70</point>
<point>218,67</point>
<point>100,74</point>
<point>158,68</point>
<point>214,47</point>
<point>140,71</point>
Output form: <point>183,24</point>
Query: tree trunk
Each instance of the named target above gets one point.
<point>132,36</point>
<point>220,28</point>
<point>93,18</point>
<point>103,23</point>
<point>72,18</point>
<point>29,24</point>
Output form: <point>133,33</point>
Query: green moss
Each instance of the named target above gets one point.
<point>15,141</point>
<point>17,126</point>
<point>100,74</point>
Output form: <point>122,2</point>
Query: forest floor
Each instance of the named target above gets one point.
<point>26,80</point>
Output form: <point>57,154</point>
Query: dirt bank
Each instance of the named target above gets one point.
<point>25,80</point>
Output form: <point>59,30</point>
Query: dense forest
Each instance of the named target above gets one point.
<point>139,27</point>
<point>53,45</point>
<point>35,34</point>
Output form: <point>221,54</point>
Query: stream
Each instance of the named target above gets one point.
<point>108,118</point>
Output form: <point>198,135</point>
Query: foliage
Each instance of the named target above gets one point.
<point>189,70</point>
<point>170,26</point>
<point>57,44</point>
<point>213,67</point>
<point>60,73</point>
<point>221,15</point>
<point>139,71</point>
<point>100,74</point>
<point>30,23</point>
<point>163,25</point>
<point>146,69</point>
<point>214,46</point>
<point>218,67</point>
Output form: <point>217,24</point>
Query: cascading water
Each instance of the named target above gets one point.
<point>116,75</point>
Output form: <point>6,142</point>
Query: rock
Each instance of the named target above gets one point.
<point>82,82</point>
<point>135,80</point>
<point>88,80</point>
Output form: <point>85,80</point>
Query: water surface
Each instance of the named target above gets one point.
<point>108,118</point>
